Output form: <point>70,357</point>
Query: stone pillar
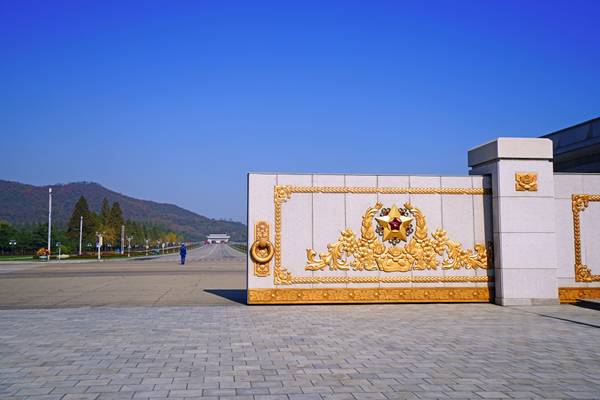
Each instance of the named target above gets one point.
<point>523,218</point>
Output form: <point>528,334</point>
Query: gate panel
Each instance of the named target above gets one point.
<point>385,249</point>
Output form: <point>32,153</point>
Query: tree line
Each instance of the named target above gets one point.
<point>30,238</point>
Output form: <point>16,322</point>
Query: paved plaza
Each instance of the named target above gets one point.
<point>357,352</point>
<point>151,329</point>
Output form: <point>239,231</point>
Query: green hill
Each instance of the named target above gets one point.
<point>21,204</point>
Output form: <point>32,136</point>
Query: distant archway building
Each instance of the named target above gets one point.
<point>217,238</point>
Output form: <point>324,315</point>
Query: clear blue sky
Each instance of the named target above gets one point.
<point>176,101</point>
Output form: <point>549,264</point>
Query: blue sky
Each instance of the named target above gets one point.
<point>176,101</point>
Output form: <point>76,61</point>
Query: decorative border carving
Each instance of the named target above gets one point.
<point>370,295</point>
<point>579,203</point>
<point>526,182</point>
<point>390,279</point>
<point>285,191</point>
<point>572,294</point>
<point>282,193</point>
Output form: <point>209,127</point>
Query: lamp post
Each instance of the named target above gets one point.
<point>129,245</point>
<point>49,223</point>
<point>80,232</point>
<point>122,239</point>
<point>99,243</point>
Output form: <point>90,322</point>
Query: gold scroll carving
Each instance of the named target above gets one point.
<point>572,294</point>
<point>369,295</point>
<point>526,182</point>
<point>579,202</point>
<point>262,249</point>
<point>423,251</point>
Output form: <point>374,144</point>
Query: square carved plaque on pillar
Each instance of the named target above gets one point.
<point>526,182</point>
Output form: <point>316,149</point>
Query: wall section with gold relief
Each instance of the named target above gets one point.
<point>577,210</point>
<point>362,238</point>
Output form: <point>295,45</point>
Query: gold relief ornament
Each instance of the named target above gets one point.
<point>572,294</point>
<point>369,295</point>
<point>526,182</point>
<point>262,249</point>
<point>422,252</point>
<point>579,202</point>
<point>282,276</point>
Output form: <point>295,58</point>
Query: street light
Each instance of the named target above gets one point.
<point>49,223</point>
<point>58,244</point>
<point>129,245</point>
<point>99,242</point>
<point>122,240</point>
<point>80,233</point>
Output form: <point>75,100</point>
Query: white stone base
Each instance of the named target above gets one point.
<point>526,302</point>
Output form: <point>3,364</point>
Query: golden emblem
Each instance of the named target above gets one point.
<point>262,249</point>
<point>420,253</point>
<point>526,182</point>
<point>394,224</point>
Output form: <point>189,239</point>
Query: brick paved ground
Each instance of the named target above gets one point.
<point>476,351</point>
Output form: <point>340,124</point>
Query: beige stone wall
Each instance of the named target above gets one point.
<point>312,220</point>
<point>567,184</point>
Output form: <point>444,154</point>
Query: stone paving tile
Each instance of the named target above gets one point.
<point>365,352</point>
<point>116,396</point>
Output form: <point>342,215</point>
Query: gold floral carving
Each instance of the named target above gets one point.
<point>526,182</point>
<point>282,193</point>
<point>420,253</point>
<point>579,203</point>
<point>262,250</point>
<point>572,294</point>
<point>369,295</point>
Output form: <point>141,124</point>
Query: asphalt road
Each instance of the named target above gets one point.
<point>216,252</point>
<point>213,274</point>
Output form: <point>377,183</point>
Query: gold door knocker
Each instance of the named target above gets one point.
<point>262,250</point>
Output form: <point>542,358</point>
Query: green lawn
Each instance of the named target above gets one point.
<point>241,247</point>
<point>15,258</point>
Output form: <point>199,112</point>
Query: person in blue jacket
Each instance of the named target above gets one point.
<point>182,253</point>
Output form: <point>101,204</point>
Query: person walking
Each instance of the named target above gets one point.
<point>182,253</point>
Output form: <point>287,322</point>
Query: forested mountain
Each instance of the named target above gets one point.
<point>26,204</point>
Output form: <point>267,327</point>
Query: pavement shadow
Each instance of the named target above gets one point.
<point>594,305</point>
<point>237,295</point>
